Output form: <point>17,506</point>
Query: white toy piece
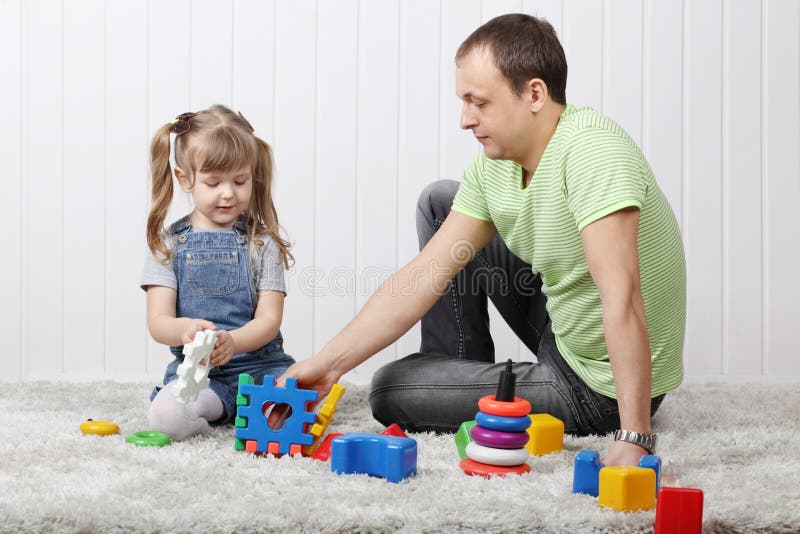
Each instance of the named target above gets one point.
<point>193,377</point>
<point>488,455</point>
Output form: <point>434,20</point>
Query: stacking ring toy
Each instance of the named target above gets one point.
<point>503,424</point>
<point>488,455</point>
<point>516,408</point>
<point>149,438</point>
<point>471,467</point>
<point>497,439</point>
<point>99,428</point>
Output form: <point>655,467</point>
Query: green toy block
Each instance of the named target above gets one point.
<point>463,438</point>
<point>242,400</point>
<point>240,422</point>
<point>238,444</point>
<point>244,378</point>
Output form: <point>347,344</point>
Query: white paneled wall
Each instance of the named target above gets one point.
<point>357,98</point>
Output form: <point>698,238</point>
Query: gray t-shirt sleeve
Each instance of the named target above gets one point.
<point>270,275</point>
<point>156,273</point>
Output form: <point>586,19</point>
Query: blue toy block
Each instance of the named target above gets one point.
<point>251,425</point>
<point>651,461</point>
<point>586,477</point>
<point>390,457</point>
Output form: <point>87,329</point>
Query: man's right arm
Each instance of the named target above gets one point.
<point>399,303</point>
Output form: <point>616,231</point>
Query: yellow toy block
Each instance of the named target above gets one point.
<point>627,488</point>
<point>546,434</point>
<point>324,418</point>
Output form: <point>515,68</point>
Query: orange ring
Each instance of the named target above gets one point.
<point>519,407</point>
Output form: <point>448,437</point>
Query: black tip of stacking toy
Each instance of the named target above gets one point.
<point>507,384</point>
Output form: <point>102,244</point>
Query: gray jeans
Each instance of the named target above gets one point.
<point>439,387</point>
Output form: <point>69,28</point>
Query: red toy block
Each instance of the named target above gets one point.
<point>323,451</point>
<point>394,430</point>
<point>250,446</point>
<point>679,510</point>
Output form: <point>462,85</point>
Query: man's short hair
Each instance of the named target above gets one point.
<point>523,48</point>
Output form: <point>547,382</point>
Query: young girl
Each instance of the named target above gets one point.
<point>221,267</point>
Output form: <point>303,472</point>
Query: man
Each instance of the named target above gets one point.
<point>560,192</point>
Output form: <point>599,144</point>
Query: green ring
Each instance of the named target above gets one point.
<point>148,438</point>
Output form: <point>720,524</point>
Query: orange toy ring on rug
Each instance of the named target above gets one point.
<point>100,428</point>
<point>471,467</point>
<point>516,408</point>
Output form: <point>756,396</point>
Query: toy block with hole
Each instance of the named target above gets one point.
<point>251,422</point>
<point>679,511</point>
<point>324,417</point>
<point>546,434</point>
<point>627,488</point>
<point>388,457</point>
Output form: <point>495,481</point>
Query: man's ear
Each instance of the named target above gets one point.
<point>183,180</point>
<point>537,91</point>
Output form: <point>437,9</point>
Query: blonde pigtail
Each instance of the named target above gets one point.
<point>161,172</point>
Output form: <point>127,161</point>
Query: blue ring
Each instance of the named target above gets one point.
<point>502,424</point>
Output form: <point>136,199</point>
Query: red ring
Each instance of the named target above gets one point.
<point>471,467</point>
<point>519,407</point>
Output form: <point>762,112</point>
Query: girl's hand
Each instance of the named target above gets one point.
<point>195,326</point>
<point>224,349</point>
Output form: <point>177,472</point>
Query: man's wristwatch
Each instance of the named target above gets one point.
<point>646,441</point>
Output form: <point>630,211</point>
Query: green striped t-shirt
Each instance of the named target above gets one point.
<point>590,169</point>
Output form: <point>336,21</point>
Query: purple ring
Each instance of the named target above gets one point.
<point>497,439</point>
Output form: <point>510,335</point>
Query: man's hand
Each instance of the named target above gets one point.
<point>310,374</point>
<point>623,453</point>
<point>224,348</point>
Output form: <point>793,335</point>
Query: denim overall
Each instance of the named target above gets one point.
<point>215,283</point>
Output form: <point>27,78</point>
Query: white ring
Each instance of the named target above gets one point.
<point>488,455</point>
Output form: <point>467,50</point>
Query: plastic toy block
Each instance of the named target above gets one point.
<point>471,467</point>
<point>261,397</point>
<point>323,452</point>
<point>627,488</point>
<point>394,430</point>
<point>463,437</point>
<point>387,457</point>
<point>324,417</point>
<point>193,371</point>
<point>679,511</point>
<point>651,461</point>
<point>586,476</point>
<point>546,434</point>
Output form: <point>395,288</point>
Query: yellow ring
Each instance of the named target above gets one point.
<point>100,428</point>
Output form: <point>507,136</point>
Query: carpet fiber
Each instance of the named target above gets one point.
<point>740,444</point>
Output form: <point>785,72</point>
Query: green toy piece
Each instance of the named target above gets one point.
<point>148,438</point>
<point>463,438</point>
<point>241,400</point>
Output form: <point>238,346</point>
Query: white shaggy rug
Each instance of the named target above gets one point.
<point>740,444</point>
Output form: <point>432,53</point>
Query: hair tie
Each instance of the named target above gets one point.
<point>181,124</point>
<point>247,123</point>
